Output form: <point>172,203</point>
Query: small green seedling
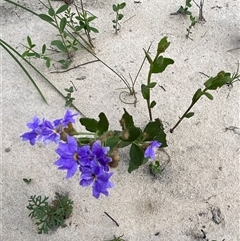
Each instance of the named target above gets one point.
<point>27,181</point>
<point>193,22</point>
<point>50,216</point>
<point>155,168</point>
<point>185,10</point>
<point>119,16</point>
<point>119,238</point>
<point>69,98</point>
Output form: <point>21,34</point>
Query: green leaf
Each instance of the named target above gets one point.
<point>63,23</point>
<point>161,64</point>
<point>162,45</point>
<point>120,16</point>
<point>27,180</point>
<point>189,114</point>
<point>30,42</point>
<point>91,18</point>
<point>136,157</point>
<point>103,123</point>
<point>197,95</point>
<point>59,45</point>
<point>48,62</point>
<point>94,30</point>
<point>24,54</point>
<point>153,103</point>
<point>44,49</point>
<point>45,17</point>
<point>208,95</point>
<point>148,57</point>
<point>122,5</point>
<point>154,131</point>
<point>62,9</point>
<point>37,55</point>
<point>51,12</point>
<point>90,124</point>
<point>152,85</point>
<point>133,133</point>
<point>145,91</point>
<point>216,82</point>
<point>126,121</point>
<point>115,7</point>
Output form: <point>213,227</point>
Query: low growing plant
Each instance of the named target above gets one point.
<point>119,16</point>
<point>50,216</point>
<point>119,238</point>
<point>95,152</point>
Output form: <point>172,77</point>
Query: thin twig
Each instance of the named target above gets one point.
<point>80,65</point>
<point>112,219</point>
<point>233,49</point>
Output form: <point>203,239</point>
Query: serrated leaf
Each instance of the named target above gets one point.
<point>103,123</point>
<point>51,12</point>
<point>63,23</point>
<point>136,157</point>
<point>189,115</point>
<point>45,17</point>
<point>90,124</point>
<point>62,9</point>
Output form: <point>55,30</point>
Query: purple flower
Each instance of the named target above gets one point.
<point>68,118</point>
<point>36,133</point>
<point>98,177</point>
<point>46,130</point>
<point>69,156</point>
<point>151,149</point>
<point>101,154</point>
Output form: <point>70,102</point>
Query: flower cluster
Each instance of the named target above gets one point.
<point>91,160</point>
<point>47,131</point>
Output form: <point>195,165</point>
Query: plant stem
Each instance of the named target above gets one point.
<point>188,109</point>
<point>85,20</point>
<point>148,94</point>
<point>61,35</point>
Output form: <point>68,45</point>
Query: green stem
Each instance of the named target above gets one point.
<point>61,35</point>
<point>185,113</point>
<point>148,94</point>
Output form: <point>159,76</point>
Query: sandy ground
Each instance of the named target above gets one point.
<point>198,190</point>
